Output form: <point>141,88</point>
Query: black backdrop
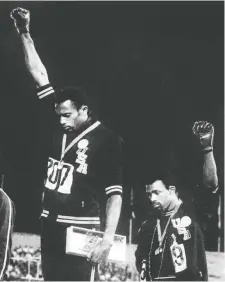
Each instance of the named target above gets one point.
<point>153,67</point>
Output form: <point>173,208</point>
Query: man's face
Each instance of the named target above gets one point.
<point>70,117</point>
<point>159,196</point>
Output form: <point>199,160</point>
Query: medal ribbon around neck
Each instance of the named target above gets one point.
<point>76,139</point>
<point>160,235</point>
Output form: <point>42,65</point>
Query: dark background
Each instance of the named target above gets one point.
<point>153,67</point>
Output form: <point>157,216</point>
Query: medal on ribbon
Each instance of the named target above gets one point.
<point>60,164</point>
<point>158,250</point>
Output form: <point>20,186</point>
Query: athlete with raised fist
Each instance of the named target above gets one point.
<point>171,242</point>
<point>83,185</point>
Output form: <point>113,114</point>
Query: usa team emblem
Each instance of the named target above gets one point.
<point>82,144</point>
<point>82,156</point>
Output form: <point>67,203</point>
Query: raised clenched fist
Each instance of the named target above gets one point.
<point>204,130</point>
<point>21,18</point>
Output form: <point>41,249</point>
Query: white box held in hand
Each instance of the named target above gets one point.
<point>80,241</point>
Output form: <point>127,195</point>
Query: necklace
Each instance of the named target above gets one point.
<point>160,235</point>
<point>160,239</point>
<point>149,258</point>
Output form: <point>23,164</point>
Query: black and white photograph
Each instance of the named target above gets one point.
<point>112,141</point>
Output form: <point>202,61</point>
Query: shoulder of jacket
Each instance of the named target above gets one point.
<point>109,132</point>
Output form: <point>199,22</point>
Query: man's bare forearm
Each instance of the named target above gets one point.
<point>113,209</point>
<point>21,20</point>
<point>204,131</point>
<point>33,62</point>
<point>210,178</point>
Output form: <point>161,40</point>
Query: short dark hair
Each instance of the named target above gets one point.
<point>77,95</point>
<point>168,177</point>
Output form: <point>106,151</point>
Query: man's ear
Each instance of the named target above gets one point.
<point>172,189</point>
<point>83,109</point>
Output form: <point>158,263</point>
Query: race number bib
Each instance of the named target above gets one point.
<point>59,176</point>
<point>178,255</point>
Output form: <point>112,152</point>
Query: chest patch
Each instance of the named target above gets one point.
<point>181,226</point>
<point>82,156</point>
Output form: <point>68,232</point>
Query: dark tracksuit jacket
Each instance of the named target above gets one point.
<point>76,190</point>
<point>161,265</point>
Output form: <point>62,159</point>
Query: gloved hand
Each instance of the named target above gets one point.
<point>204,131</point>
<point>21,18</point>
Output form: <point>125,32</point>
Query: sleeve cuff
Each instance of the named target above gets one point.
<point>113,190</point>
<point>44,91</point>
